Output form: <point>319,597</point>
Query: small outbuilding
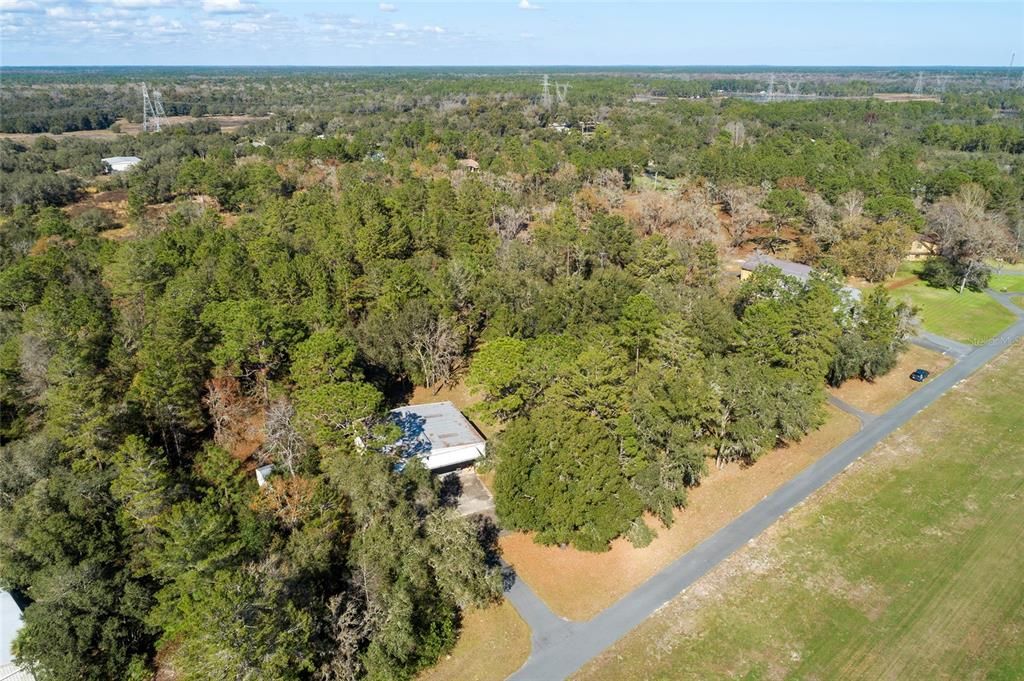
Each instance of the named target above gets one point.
<point>262,475</point>
<point>438,434</point>
<point>469,164</point>
<point>120,164</point>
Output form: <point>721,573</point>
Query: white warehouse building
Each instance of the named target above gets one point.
<point>119,164</point>
<point>438,434</point>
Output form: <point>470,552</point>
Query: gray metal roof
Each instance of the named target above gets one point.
<point>12,672</point>
<point>10,623</point>
<point>121,159</point>
<point>793,269</point>
<point>439,425</point>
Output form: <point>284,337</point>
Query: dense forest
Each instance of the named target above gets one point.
<point>266,294</point>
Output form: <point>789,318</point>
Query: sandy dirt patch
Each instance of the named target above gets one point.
<point>878,396</point>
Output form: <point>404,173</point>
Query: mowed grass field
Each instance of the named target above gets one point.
<point>906,567</point>
<point>970,317</point>
<point>1007,283</point>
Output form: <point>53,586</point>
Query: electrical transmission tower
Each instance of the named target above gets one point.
<point>545,98</point>
<point>150,114</point>
<point>561,90</point>
<point>793,86</point>
<point>158,106</point>
<point>771,88</point>
<point>919,85</point>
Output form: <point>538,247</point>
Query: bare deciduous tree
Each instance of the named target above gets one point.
<point>851,205</point>
<point>968,234</point>
<point>509,221</point>
<point>283,444</point>
<point>821,219</point>
<point>744,207</point>
<point>437,348</point>
<point>697,210</point>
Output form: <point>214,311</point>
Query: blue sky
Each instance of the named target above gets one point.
<point>508,32</point>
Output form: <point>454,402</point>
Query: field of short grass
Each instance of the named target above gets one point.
<point>1009,267</point>
<point>579,584</point>
<point>907,566</point>
<point>969,317</point>
<point>877,396</point>
<point>493,643</point>
<point>1007,283</point>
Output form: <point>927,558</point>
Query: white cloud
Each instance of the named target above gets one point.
<point>131,4</point>
<point>433,29</point>
<point>59,12</point>
<point>526,4</point>
<point>387,7</point>
<point>228,7</point>
<point>246,27</point>
<point>19,6</point>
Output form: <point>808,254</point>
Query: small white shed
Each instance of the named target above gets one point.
<point>262,475</point>
<point>119,164</point>
<point>438,434</point>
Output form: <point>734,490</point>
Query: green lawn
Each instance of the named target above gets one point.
<point>1000,265</point>
<point>907,567</point>
<point>1007,282</point>
<point>968,317</point>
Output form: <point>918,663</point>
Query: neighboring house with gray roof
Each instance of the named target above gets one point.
<point>792,269</point>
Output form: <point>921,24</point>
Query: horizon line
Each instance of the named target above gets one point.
<point>521,66</point>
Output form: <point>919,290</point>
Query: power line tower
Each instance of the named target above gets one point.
<point>940,83</point>
<point>158,106</point>
<point>545,98</point>
<point>771,88</point>
<point>561,91</point>
<point>919,85</point>
<point>1010,68</point>
<point>150,117</point>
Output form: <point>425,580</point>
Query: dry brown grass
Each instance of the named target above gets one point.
<point>459,395</point>
<point>578,584</point>
<point>878,396</point>
<point>493,643</point>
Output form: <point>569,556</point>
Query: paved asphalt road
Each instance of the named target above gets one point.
<point>561,647</point>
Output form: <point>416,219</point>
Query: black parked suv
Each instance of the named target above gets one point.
<point>919,375</point>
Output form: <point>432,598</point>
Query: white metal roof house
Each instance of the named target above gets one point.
<point>119,164</point>
<point>10,623</point>
<point>438,434</point>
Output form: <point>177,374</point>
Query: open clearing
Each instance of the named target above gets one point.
<point>970,317</point>
<point>578,584</point>
<point>908,566</point>
<point>226,123</point>
<point>878,396</point>
<point>493,643</point>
